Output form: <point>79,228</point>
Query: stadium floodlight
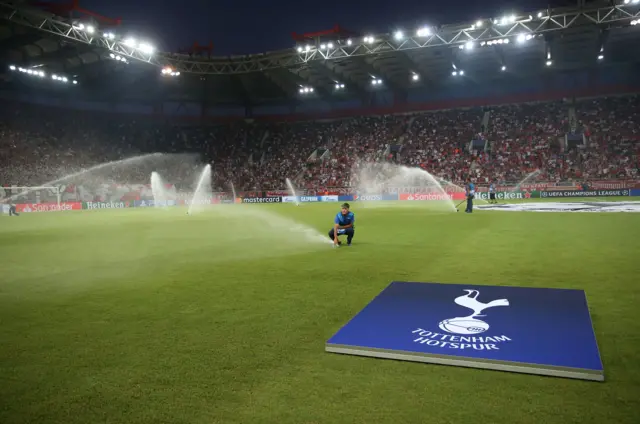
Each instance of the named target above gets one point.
<point>549,62</point>
<point>41,74</point>
<point>168,71</point>
<point>330,45</point>
<point>376,81</point>
<point>504,68</point>
<point>454,73</point>
<point>460,72</point>
<point>109,35</point>
<point>306,90</point>
<point>398,35</point>
<point>75,82</point>
<point>91,29</point>
<point>131,42</point>
<point>634,22</point>
<point>423,32</point>
<point>323,46</point>
<point>369,39</point>
<point>468,45</point>
<point>12,67</point>
<point>299,49</point>
<point>339,86</point>
<point>349,41</point>
<point>540,14</point>
<point>600,56</point>
<point>307,48</point>
<point>146,48</point>
<point>507,20</point>
<point>521,38</point>
<point>415,77</point>
<point>78,26</point>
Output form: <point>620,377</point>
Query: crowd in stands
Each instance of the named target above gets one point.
<point>39,144</point>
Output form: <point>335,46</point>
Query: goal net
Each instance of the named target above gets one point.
<point>39,194</point>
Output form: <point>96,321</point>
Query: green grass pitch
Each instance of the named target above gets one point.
<point>153,316</point>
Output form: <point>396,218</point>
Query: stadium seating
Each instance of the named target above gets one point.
<point>39,143</point>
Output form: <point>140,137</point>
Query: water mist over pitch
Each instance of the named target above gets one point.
<point>159,190</point>
<point>109,181</point>
<point>204,192</point>
<point>381,178</point>
<point>529,177</point>
<point>292,191</point>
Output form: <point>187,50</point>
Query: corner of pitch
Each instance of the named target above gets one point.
<point>449,341</point>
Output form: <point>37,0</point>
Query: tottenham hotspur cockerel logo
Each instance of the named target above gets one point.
<point>469,324</point>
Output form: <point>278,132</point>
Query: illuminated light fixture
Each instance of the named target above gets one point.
<point>398,35</point>
<point>528,37</point>
<point>461,72</point>
<point>41,74</point>
<point>549,62</point>
<point>78,26</point>
<point>483,43</point>
<point>109,35</point>
<point>415,77</point>
<point>307,48</point>
<point>349,42</point>
<point>540,14</point>
<point>376,81</point>
<point>330,45</point>
<point>454,73</point>
<point>323,46</point>
<point>299,49</point>
<point>91,29</point>
<point>507,20</point>
<point>600,56</point>
<point>478,24</point>
<point>521,38</point>
<point>146,48</point>
<point>369,39</point>
<point>131,42</point>
<point>504,68</point>
<point>468,45</point>
<point>12,67</point>
<point>634,22</point>
<point>75,82</point>
<point>167,70</point>
<point>339,86</point>
<point>305,90</point>
<point>423,32</point>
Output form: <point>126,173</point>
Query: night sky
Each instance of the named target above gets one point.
<point>254,26</point>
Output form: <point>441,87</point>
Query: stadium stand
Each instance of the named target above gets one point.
<point>42,143</point>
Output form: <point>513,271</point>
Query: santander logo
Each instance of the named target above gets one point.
<point>429,196</point>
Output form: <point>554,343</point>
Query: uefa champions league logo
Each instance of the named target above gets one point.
<point>470,324</point>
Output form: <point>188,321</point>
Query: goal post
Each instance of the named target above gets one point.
<point>12,192</point>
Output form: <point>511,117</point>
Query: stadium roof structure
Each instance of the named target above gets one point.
<point>330,65</point>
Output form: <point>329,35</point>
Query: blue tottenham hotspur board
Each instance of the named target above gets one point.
<point>519,329</point>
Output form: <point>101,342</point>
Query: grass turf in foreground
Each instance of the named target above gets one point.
<point>149,316</point>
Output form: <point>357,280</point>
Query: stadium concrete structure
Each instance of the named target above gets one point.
<point>587,50</point>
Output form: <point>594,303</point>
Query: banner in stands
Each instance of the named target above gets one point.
<point>431,196</point>
<point>48,207</point>
<point>585,193</point>
<point>261,199</point>
<point>374,197</point>
<point>107,205</point>
<point>508,195</point>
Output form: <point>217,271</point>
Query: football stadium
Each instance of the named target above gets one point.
<point>432,224</point>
